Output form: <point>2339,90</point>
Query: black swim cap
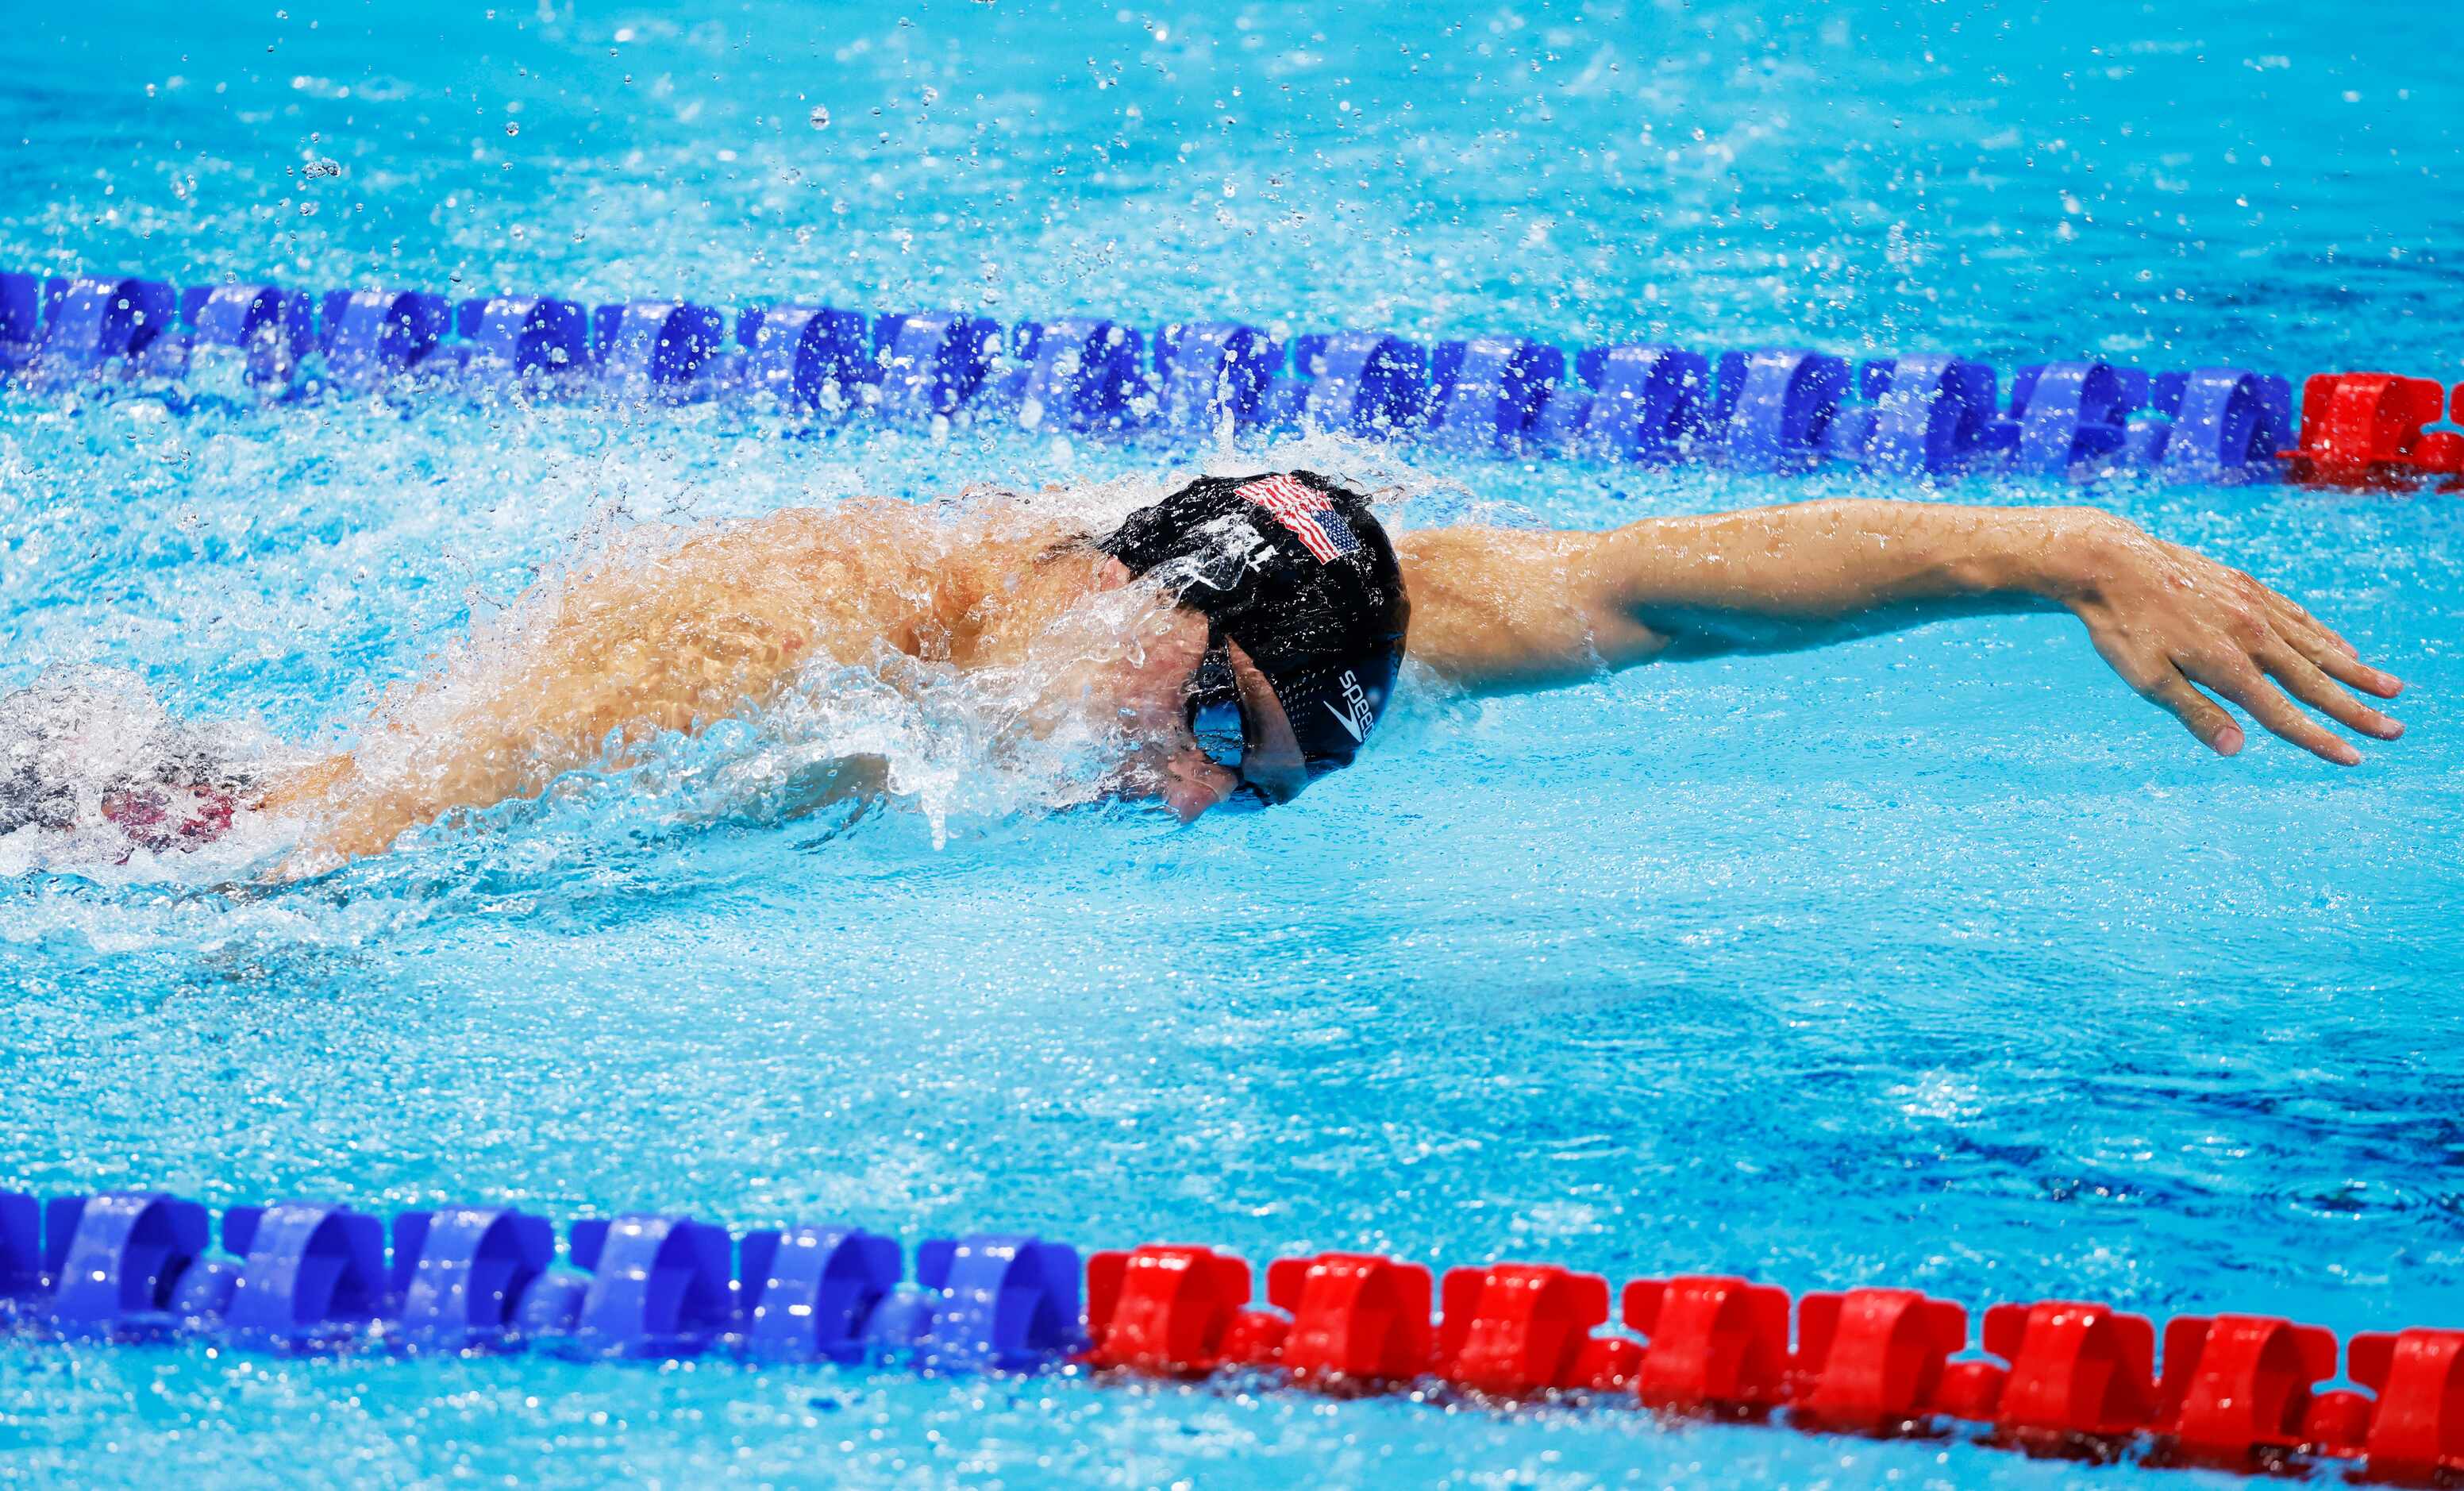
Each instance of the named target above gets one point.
<point>1298,572</point>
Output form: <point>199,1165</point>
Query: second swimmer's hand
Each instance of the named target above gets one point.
<point>2178,626</point>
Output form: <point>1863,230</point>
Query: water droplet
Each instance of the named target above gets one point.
<point>512,128</point>
<point>821,117</point>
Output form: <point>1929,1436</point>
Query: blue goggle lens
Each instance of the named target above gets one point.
<point>1220,731</point>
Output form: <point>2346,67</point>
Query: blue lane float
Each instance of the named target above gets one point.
<point>313,1276</point>
<point>309,1273</point>
<point>372,337</point>
<point>1649,404</point>
<point>1208,373</point>
<point>1081,375</point>
<point>1363,383</point>
<point>89,325</point>
<point>268,330</point>
<point>823,1287</point>
<point>2228,424</point>
<point>112,1263</point>
<point>1924,416</point>
<point>1771,409</point>
<point>932,364</point>
<point>807,356</point>
<point>655,345</point>
<point>515,336</point>
<point>2072,415</point>
<point>660,1285</point>
<point>1929,416</point>
<point>1491,390</point>
<point>23,1266</point>
<point>1000,1303</point>
<point>21,320</point>
<point>461,1272</point>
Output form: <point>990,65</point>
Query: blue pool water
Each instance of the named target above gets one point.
<point>1937,959</point>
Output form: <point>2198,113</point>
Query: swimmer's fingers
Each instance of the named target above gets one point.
<point>2301,614</point>
<point>2200,714</point>
<point>2358,673</point>
<point>2311,684</point>
<point>2238,679</point>
<point>1184,781</point>
<point>2335,657</point>
<point>2156,679</point>
<point>2318,642</point>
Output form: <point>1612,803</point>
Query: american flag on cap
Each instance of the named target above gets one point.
<point>1306,513</point>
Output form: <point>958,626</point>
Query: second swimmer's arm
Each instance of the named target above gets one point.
<point>1503,609</point>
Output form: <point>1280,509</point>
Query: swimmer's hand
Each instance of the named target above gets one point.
<point>2174,623</point>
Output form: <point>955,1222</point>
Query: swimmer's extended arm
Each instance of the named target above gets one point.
<point>1503,609</point>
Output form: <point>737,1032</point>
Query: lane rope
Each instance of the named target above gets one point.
<point>2239,1393</point>
<point>1772,410</point>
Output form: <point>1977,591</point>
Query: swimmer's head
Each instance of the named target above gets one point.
<point>1305,609</point>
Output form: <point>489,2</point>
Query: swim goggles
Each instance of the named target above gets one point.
<point>1219,721</point>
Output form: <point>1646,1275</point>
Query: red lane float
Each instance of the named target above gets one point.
<point>2366,429</point>
<point>1717,1345</point>
<point>2417,1433</point>
<point>1174,1313</point>
<point>1513,1330</point>
<point>1358,1320</point>
<point>2239,1388</point>
<point>2075,1378</point>
<point>2083,1376</point>
<point>1877,1361</point>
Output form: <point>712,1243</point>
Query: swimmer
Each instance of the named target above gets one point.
<point>1237,639</point>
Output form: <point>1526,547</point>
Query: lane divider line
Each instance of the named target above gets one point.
<point>1772,410</point>
<point>2061,1377</point>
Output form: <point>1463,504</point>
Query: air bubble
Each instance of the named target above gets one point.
<point>512,128</point>
<point>820,117</point>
